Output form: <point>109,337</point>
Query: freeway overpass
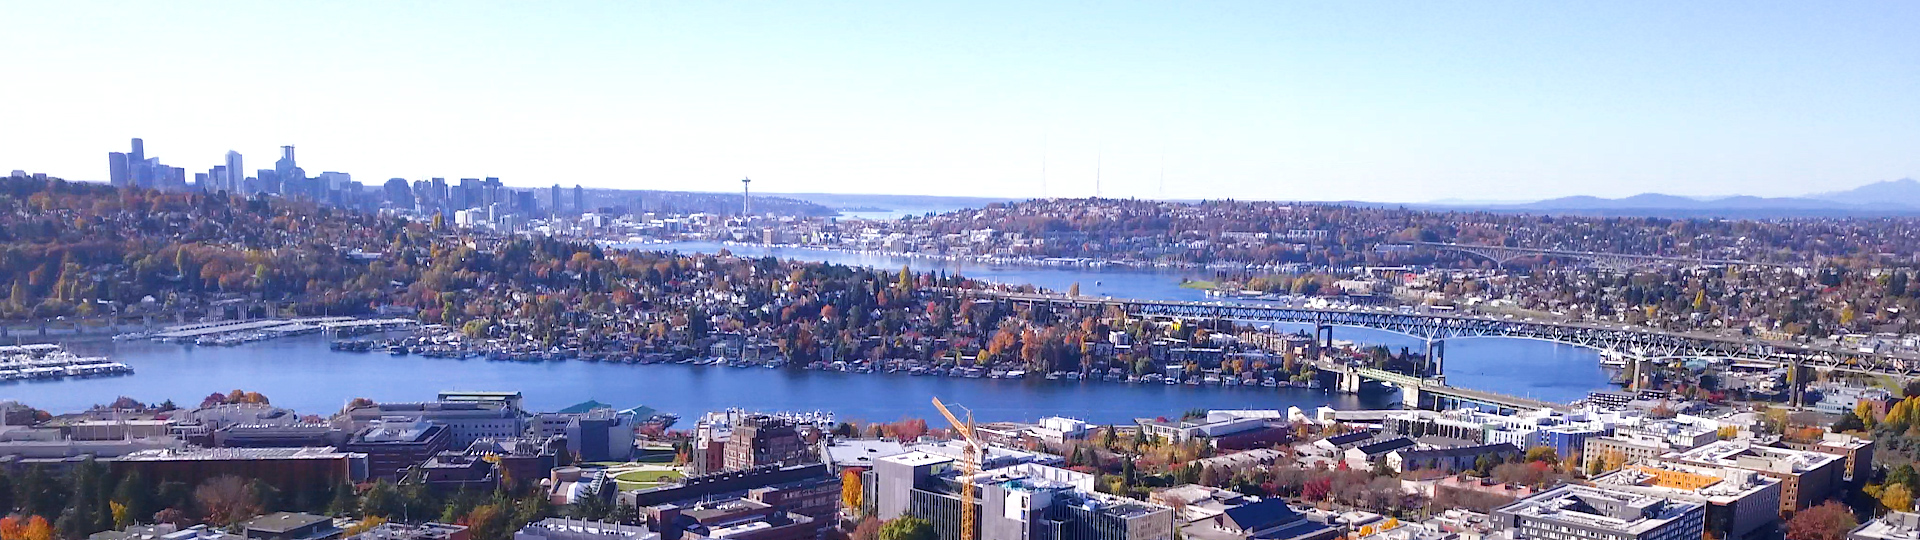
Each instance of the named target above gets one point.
<point>1636,344</point>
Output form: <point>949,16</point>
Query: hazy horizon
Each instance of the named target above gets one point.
<point>1369,102</point>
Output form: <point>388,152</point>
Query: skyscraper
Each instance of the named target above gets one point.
<point>137,164</point>
<point>284,172</point>
<point>236,172</point>
<point>398,194</point>
<point>118,170</point>
<point>557,205</point>
<point>492,188</point>
<point>579,199</point>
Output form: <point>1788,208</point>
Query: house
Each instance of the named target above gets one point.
<point>1366,455</point>
<point>1339,444</point>
<point>1457,458</point>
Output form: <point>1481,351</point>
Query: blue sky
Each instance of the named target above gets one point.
<point>1402,101</point>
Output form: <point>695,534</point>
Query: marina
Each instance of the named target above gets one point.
<point>49,361</point>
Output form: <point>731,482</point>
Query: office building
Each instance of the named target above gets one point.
<point>1806,477</point>
<point>555,200</point>
<point>810,490</point>
<point>398,194</point>
<point>1225,429</point>
<point>467,421</point>
<point>1270,519</point>
<point>1893,526</point>
<point>394,444</point>
<point>1575,511</point>
<point>286,173</point>
<point>1022,502</point>
<point>119,172</point>
<point>737,519</point>
<point>579,199</point>
<point>290,469</point>
<point>1739,502</point>
<point>425,531</point>
<point>1857,451</point>
<point>594,431</point>
<point>165,531</point>
<point>137,164</point>
<point>291,526</point>
<point>519,460</point>
<point>279,435</point>
<point>236,172</point>
<point>574,529</point>
<point>765,440</point>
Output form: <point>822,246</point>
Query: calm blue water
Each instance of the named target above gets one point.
<point>303,374</point>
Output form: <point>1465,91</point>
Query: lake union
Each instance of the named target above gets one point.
<point>303,374</point>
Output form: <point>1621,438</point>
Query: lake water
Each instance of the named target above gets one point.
<point>303,374</point>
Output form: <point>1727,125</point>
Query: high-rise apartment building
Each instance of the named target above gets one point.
<point>579,199</point>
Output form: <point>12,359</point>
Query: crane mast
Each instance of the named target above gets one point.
<point>969,466</point>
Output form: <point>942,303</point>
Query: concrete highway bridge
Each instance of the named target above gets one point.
<point>1633,344</point>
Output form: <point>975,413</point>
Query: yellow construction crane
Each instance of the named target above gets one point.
<point>969,465</point>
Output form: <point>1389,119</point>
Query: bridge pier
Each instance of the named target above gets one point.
<point>1410,397</point>
<point>1322,339</point>
<point>1346,380</point>
<point>1633,373</point>
<point>1436,358</point>
<point>1796,384</point>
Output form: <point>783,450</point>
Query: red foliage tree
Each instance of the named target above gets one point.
<point>1829,521</point>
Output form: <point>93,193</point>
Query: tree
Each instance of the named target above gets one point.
<point>365,525</point>
<point>851,490</point>
<point>1849,422</point>
<point>1896,498</point>
<point>225,500</point>
<point>343,502</point>
<point>907,528</point>
<point>266,498</point>
<point>489,522</point>
<point>136,496</point>
<point>37,528</point>
<point>381,500</point>
<point>1543,454</point>
<point>868,529</point>
<point>1829,521</point>
<point>11,527</point>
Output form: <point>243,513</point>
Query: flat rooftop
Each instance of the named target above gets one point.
<point>1601,508</point>
<point>916,459</point>
<point>234,454</point>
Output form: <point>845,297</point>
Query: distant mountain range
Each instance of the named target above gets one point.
<point>1888,198</point>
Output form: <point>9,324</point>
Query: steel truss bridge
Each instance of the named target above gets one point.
<point>1627,343</point>
<point>1501,255</point>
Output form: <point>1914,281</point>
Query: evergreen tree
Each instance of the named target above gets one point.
<point>344,503</point>
<point>137,495</point>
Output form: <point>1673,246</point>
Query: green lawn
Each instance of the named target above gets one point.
<point>645,479</point>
